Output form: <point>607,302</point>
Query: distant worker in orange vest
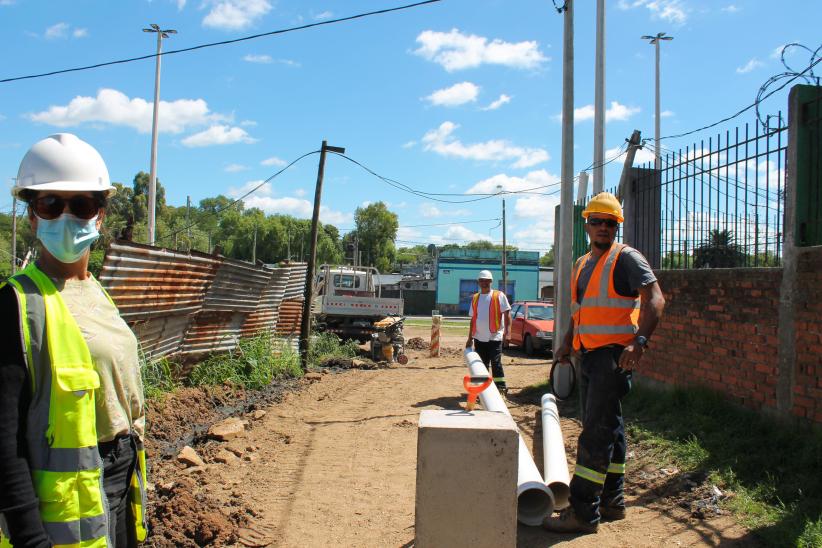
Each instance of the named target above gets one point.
<point>490,324</point>
<point>616,304</point>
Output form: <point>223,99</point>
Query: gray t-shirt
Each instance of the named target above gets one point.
<point>631,272</point>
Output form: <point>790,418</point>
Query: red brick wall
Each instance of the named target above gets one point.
<point>807,390</point>
<point>719,330</point>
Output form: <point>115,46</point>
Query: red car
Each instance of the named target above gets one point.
<point>532,326</point>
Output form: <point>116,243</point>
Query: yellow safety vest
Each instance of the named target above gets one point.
<point>61,436</point>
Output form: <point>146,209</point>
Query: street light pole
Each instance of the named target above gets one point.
<point>655,41</point>
<point>504,248</point>
<point>599,100</point>
<point>152,185</point>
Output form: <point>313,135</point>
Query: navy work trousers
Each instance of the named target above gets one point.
<point>600,468</point>
<point>119,460</point>
<point>490,352</point>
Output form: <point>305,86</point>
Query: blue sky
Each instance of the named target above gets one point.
<point>454,97</point>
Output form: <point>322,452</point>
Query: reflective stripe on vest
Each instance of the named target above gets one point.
<point>602,316</point>
<point>494,313</point>
<point>61,422</point>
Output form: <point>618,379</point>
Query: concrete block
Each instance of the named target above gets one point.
<point>466,480</point>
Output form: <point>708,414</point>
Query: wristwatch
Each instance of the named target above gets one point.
<point>641,341</point>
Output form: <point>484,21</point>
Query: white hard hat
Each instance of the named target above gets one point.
<point>485,275</point>
<point>63,162</point>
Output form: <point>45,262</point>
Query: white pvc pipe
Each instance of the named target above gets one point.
<point>534,500</point>
<point>554,463</point>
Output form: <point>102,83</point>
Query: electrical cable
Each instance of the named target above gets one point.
<point>224,42</point>
<point>760,98</point>
<point>238,200</point>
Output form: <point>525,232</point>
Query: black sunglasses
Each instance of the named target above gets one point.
<point>50,207</point>
<point>610,223</point>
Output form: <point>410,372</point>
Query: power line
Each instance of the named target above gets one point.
<point>434,224</point>
<point>224,42</point>
<point>219,211</point>
<point>760,98</point>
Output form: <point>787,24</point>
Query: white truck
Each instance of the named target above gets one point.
<point>349,304</point>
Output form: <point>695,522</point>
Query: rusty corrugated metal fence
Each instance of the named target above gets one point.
<point>191,304</point>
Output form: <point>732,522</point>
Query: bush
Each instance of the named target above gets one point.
<point>329,345</point>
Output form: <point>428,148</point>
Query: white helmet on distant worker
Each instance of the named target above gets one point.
<point>485,275</point>
<point>63,162</point>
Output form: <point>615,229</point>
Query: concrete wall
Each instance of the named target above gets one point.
<point>721,330</point>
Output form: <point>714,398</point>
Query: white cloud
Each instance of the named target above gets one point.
<point>299,192</point>
<point>409,144</point>
<point>79,33</point>
<point>667,114</point>
<point>59,30</point>
<point>540,234</point>
<point>273,161</point>
<point>408,233</point>
<point>442,142</point>
<point>430,210</point>
<point>454,50</point>
<point>616,112</point>
<point>458,94</point>
<point>731,8</point>
<point>6,2</point>
<point>181,4</point>
<point>235,14</point>
<point>248,123</point>
<point>115,108</point>
<point>503,99</point>
<point>289,63</point>
<point>754,63</point>
<point>324,15</point>
<point>288,205</point>
<point>459,232</point>
<point>254,58</point>
<point>264,190</point>
<point>538,179</point>
<point>673,11</point>
<point>536,206</point>
<point>218,135</point>
<point>777,53</point>
<point>234,168</point>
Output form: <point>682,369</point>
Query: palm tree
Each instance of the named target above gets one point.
<point>719,251</point>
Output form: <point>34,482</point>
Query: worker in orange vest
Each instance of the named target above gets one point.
<point>616,304</point>
<point>490,324</point>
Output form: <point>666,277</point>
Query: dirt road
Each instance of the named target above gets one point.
<point>334,464</point>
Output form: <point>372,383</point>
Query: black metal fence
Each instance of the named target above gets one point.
<point>717,203</point>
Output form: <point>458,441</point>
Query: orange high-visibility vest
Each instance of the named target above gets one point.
<point>494,313</point>
<point>602,317</point>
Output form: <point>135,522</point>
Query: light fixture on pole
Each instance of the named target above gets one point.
<point>152,185</point>
<point>654,40</point>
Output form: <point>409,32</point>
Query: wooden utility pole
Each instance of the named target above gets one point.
<point>305,327</point>
<point>254,247</point>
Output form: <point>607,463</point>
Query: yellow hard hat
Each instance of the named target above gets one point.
<point>606,203</point>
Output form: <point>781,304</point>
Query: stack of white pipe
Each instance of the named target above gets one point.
<point>535,501</point>
<point>554,463</point>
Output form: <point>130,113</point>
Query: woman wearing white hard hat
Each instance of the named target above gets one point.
<point>72,466</point>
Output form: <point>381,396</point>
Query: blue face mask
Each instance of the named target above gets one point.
<point>67,237</point>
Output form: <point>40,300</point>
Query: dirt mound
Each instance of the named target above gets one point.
<point>417,343</point>
<point>186,507</point>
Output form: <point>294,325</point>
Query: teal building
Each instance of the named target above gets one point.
<point>457,271</point>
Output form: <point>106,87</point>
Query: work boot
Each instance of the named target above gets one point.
<point>568,522</point>
<point>612,513</point>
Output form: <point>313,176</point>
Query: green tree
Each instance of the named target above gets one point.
<point>548,258</point>
<point>719,251</point>
<point>376,230</point>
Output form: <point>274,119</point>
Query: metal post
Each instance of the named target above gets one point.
<point>14,235</point>
<point>152,184</point>
<point>657,124</point>
<point>305,327</point>
<point>599,101</point>
<point>188,219</point>
<point>582,186</point>
<point>504,254</point>
<point>566,231</point>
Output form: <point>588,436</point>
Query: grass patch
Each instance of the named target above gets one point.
<point>329,345</point>
<point>772,468</point>
<point>444,325</point>
<point>158,377</point>
<point>254,364</point>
